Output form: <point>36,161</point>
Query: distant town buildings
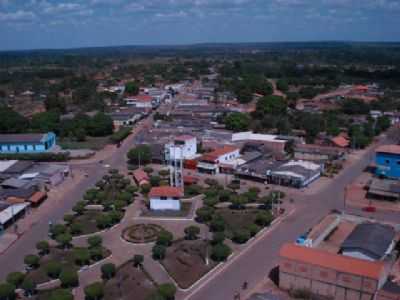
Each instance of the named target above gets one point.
<point>387,161</point>
<point>27,143</point>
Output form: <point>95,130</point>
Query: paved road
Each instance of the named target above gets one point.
<point>254,265</point>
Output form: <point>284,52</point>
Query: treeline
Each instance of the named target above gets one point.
<point>77,127</point>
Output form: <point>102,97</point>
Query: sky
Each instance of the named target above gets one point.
<point>38,24</point>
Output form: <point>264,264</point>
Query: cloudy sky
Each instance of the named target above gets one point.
<point>27,24</point>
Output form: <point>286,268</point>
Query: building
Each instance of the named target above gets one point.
<point>317,153</point>
<point>141,101</point>
<point>27,143</point>
<point>141,177</point>
<point>387,160</point>
<point>295,173</point>
<point>183,147</point>
<point>210,162</point>
<point>369,241</point>
<point>384,189</point>
<point>272,142</point>
<point>122,118</point>
<point>165,198</point>
<point>328,274</point>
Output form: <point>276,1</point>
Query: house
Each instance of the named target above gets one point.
<point>210,162</point>
<point>312,152</point>
<point>340,141</point>
<point>272,142</point>
<point>165,198</point>
<point>295,173</point>
<point>183,147</point>
<point>27,143</point>
<point>141,177</point>
<point>387,160</point>
<point>369,241</point>
<point>328,274</point>
<point>385,189</point>
<point>121,119</point>
<point>141,101</point>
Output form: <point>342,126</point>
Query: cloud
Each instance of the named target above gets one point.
<point>18,16</point>
<point>63,8</point>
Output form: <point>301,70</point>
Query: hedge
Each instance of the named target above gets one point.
<point>39,157</point>
<point>120,135</point>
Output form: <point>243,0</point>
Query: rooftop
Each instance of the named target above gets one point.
<point>166,191</point>
<point>333,261</point>
<point>24,138</point>
<point>391,149</point>
<point>373,239</point>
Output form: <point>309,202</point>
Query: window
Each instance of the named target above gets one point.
<point>387,161</point>
<point>26,147</point>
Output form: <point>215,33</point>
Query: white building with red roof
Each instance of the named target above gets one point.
<point>183,147</point>
<point>165,198</point>
<point>211,162</point>
<point>141,101</point>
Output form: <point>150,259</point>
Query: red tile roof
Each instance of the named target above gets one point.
<point>214,155</point>
<point>140,175</point>
<point>166,191</point>
<point>37,197</point>
<point>333,261</point>
<point>340,141</point>
<point>183,138</point>
<point>391,149</point>
<point>141,98</point>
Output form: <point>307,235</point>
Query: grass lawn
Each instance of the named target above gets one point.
<point>237,219</point>
<point>65,257</point>
<point>93,143</point>
<point>184,212</point>
<point>185,261</point>
<point>129,283</point>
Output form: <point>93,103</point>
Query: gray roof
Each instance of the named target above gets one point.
<point>14,183</point>
<point>19,167</point>
<point>263,296</point>
<point>371,239</point>
<point>24,193</point>
<point>22,138</point>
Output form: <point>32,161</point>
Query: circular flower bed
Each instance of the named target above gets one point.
<point>141,233</point>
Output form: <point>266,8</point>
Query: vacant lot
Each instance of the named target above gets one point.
<point>236,219</point>
<point>186,261</point>
<point>93,143</point>
<point>128,284</point>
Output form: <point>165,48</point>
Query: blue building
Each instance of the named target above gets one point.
<point>27,143</point>
<point>387,161</point>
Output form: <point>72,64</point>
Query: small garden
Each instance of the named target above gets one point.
<point>129,281</point>
<point>188,259</point>
<point>61,262</point>
<point>141,233</point>
<point>51,262</point>
<point>235,220</point>
<point>108,199</point>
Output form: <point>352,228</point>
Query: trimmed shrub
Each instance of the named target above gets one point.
<point>108,271</point>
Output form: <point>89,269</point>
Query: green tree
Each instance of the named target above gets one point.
<point>53,269</point>
<point>282,85</point>
<point>69,279</point>
<point>218,237</point>
<point>204,214</point>
<point>220,252</point>
<point>131,88</point>
<point>79,207</point>
<point>241,236</point>
<point>32,261</point>
<point>101,125</point>
<point>11,121</point>
<point>7,291</point>
<point>217,224</point>
<point>264,218</point>
<point>159,252</point>
<point>46,121</point>
<point>68,218</point>
<point>15,278</point>
<point>94,291</point>
<point>140,155</point>
<point>272,105</point>
<point>108,271</point>
<point>167,291</point>
<point>192,232</point>
<point>96,253</point>
<point>57,230</point>
<point>81,256</point>
<point>61,294</point>
<point>64,240</point>
<point>138,260</point>
<point>95,241</point>
<point>237,121</point>
<point>164,238</point>
<point>29,287</point>
<point>43,247</point>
